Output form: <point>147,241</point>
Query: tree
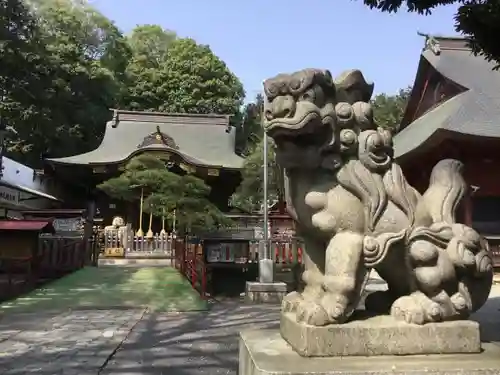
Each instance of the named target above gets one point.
<point>388,110</point>
<point>188,77</point>
<point>149,45</point>
<point>164,192</point>
<point>250,132</point>
<point>24,70</point>
<point>83,54</point>
<point>249,194</point>
<point>478,20</point>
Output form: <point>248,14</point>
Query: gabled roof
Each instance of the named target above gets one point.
<point>200,140</point>
<point>473,112</point>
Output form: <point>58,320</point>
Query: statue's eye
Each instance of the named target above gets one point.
<point>309,96</point>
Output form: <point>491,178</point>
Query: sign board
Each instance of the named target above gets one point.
<point>220,252</point>
<point>116,252</point>
<point>9,195</point>
<point>73,224</point>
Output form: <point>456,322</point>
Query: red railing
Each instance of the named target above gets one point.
<point>287,252</point>
<point>189,259</point>
<point>190,263</point>
<point>283,251</point>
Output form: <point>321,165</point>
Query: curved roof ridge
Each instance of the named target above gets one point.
<point>198,143</point>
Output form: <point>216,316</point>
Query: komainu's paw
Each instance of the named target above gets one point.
<point>312,313</point>
<point>408,310</point>
<point>336,306</point>
<point>416,309</point>
<point>462,306</point>
<point>291,301</point>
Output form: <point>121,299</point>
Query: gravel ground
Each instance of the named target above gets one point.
<point>132,342</point>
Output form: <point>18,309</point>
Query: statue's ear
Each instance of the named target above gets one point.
<point>368,91</point>
<point>353,86</point>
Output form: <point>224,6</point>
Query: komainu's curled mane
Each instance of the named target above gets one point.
<point>345,191</point>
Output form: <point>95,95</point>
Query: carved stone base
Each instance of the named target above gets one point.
<point>265,352</point>
<point>257,292</point>
<point>380,335</point>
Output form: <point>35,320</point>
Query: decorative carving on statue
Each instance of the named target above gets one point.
<point>355,210</point>
<point>160,139</point>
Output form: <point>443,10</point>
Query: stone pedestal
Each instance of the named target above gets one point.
<point>380,335</point>
<point>266,352</point>
<point>257,292</point>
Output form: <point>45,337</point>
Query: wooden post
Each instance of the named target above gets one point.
<point>140,232</point>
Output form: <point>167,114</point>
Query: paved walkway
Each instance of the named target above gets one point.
<point>71,343</point>
<point>135,342</point>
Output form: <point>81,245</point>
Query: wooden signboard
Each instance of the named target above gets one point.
<point>115,252</point>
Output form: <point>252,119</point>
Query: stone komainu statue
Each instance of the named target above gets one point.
<point>118,231</point>
<point>355,210</point>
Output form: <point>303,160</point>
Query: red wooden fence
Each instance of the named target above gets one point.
<point>189,259</point>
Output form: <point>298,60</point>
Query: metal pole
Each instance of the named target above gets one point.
<point>266,199</point>
<point>266,265</point>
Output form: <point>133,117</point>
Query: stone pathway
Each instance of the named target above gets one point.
<point>148,343</point>
<point>71,343</point>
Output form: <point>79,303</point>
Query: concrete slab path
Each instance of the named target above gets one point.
<point>138,342</point>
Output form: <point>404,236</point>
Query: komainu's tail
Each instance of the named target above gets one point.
<point>446,189</point>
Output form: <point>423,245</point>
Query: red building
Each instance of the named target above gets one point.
<point>454,112</point>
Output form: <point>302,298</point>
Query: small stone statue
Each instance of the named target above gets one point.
<point>355,210</point>
<point>117,231</point>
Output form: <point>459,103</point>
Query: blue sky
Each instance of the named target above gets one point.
<point>260,38</point>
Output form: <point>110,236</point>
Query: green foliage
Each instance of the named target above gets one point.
<point>250,132</point>
<point>164,192</point>
<point>478,20</point>
<point>178,75</point>
<point>24,71</point>
<point>149,45</point>
<point>389,109</point>
<point>62,69</point>
<point>249,194</point>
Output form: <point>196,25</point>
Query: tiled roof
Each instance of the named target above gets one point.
<point>473,112</point>
<point>202,140</point>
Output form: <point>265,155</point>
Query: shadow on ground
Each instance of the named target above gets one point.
<point>187,344</point>
<point>155,343</point>
<point>489,318</point>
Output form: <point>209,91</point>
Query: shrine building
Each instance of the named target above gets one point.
<point>454,112</point>
<point>203,145</point>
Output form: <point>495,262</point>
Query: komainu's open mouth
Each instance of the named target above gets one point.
<point>291,124</point>
<point>312,133</point>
